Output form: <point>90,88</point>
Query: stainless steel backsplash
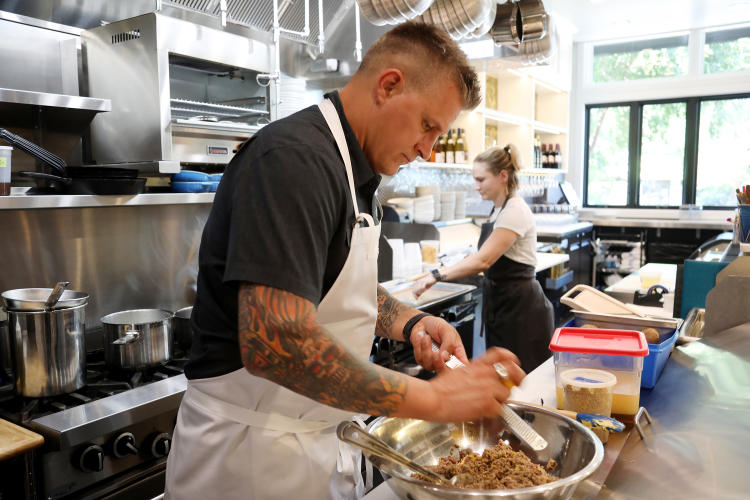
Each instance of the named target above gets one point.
<point>124,257</point>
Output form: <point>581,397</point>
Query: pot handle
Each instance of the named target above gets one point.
<point>130,337</point>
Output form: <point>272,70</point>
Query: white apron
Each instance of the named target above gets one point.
<point>242,436</point>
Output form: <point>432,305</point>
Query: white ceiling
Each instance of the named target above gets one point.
<point>608,19</point>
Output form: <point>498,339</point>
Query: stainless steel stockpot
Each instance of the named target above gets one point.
<point>137,339</point>
<point>48,350</point>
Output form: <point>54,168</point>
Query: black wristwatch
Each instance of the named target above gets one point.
<point>436,274</point>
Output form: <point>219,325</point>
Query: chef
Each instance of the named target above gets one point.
<point>288,299</point>
<point>515,312</point>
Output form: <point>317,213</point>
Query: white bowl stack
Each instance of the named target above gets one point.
<point>434,190</point>
<point>460,205</point>
<point>291,95</point>
<point>424,209</point>
<point>405,204</point>
<point>447,205</point>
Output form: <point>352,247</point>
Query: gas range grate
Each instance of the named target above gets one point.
<point>101,382</point>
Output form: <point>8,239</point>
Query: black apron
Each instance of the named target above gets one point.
<point>515,313</point>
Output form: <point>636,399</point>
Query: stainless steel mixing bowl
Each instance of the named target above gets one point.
<point>577,451</point>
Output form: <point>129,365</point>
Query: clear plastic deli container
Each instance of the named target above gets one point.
<point>619,352</point>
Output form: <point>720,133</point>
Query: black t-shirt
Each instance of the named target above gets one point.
<point>282,217</point>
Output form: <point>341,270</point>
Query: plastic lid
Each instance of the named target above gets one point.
<point>594,341</point>
<point>6,147</point>
<point>587,377</point>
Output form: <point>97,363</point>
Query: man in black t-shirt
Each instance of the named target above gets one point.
<point>287,298</point>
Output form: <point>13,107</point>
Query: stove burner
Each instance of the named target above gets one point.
<point>100,383</point>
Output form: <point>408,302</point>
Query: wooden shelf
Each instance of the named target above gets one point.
<point>547,128</point>
<point>501,117</point>
<point>542,171</point>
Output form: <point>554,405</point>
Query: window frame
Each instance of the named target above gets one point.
<point>690,161</point>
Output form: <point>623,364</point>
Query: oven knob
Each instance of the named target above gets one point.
<point>124,445</point>
<point>91,459</point>
<point>160,445</point>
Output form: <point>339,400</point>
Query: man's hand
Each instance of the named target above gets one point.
<point>475,390</point>
<point>432,328</point>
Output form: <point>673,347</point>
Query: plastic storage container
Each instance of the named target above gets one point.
<point>620,352</point>
<point>658,354</point>
<point>586,390</point>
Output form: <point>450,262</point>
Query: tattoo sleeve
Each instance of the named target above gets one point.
<point>392,315</point>
<point>281,340</point>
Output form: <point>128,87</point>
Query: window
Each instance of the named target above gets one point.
<point>727,50</point>
<point>723,151</point>
<point>608,137</point>
<point>641,59</point>
<point>665,154</point>
<point>662,159</point>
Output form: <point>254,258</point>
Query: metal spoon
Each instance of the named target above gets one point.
<point>352,433</point>
<point>57,292</point>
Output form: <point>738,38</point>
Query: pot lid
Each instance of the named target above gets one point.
<point>34,299</point>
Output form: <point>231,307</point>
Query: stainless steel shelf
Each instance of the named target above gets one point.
<point>13,96</point>
<point>26,202</point>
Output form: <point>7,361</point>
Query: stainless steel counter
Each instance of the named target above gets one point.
<point>24,202</point>
<point>698,445</point>
<point>661,223</point>
<point>562,231</point>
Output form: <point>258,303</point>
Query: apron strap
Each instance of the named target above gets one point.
<point>270,421</point>
<point>334,123</point>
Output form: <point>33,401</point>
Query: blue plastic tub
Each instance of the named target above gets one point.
<point>658,354</point>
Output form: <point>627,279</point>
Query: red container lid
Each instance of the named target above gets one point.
<point>596,341</point>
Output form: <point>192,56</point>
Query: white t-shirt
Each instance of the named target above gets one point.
<point>517,217</point>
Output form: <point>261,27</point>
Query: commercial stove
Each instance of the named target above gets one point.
<point>110,438</point>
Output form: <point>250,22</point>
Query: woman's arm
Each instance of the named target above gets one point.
<point>496,245</point>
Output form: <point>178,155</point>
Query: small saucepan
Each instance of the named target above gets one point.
<point>137,339</point>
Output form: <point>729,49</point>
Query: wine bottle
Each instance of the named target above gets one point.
<point>460,151</point>
<point>545,158</point>
<point>450,150</point>
<point>558,156</point>
<point>440,150</point>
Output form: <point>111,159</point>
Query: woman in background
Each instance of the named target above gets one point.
<point>516,314</point>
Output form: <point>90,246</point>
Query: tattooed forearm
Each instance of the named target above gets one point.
<point>281,340</point>
<point>390,311</point>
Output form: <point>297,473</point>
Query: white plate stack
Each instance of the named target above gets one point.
<point>291,95</point>
<point>460,205</point>
<point>424,209</point>
<point>447,205</point>
<point>434,190</point>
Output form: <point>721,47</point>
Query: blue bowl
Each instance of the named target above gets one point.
<point>190,176</point>
<point>190,187</point>
<point>212,186</point>
<point>214,177</point>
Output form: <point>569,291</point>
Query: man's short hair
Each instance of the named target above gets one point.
<point>424,53</point>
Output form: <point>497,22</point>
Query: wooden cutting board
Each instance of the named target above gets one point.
<point>15,440</point>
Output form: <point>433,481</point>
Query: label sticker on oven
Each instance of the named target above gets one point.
<point>218,150</point>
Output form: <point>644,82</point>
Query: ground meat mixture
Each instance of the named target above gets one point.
<point>497,468</point>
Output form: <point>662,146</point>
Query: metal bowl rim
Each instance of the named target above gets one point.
<point>575,478</point>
